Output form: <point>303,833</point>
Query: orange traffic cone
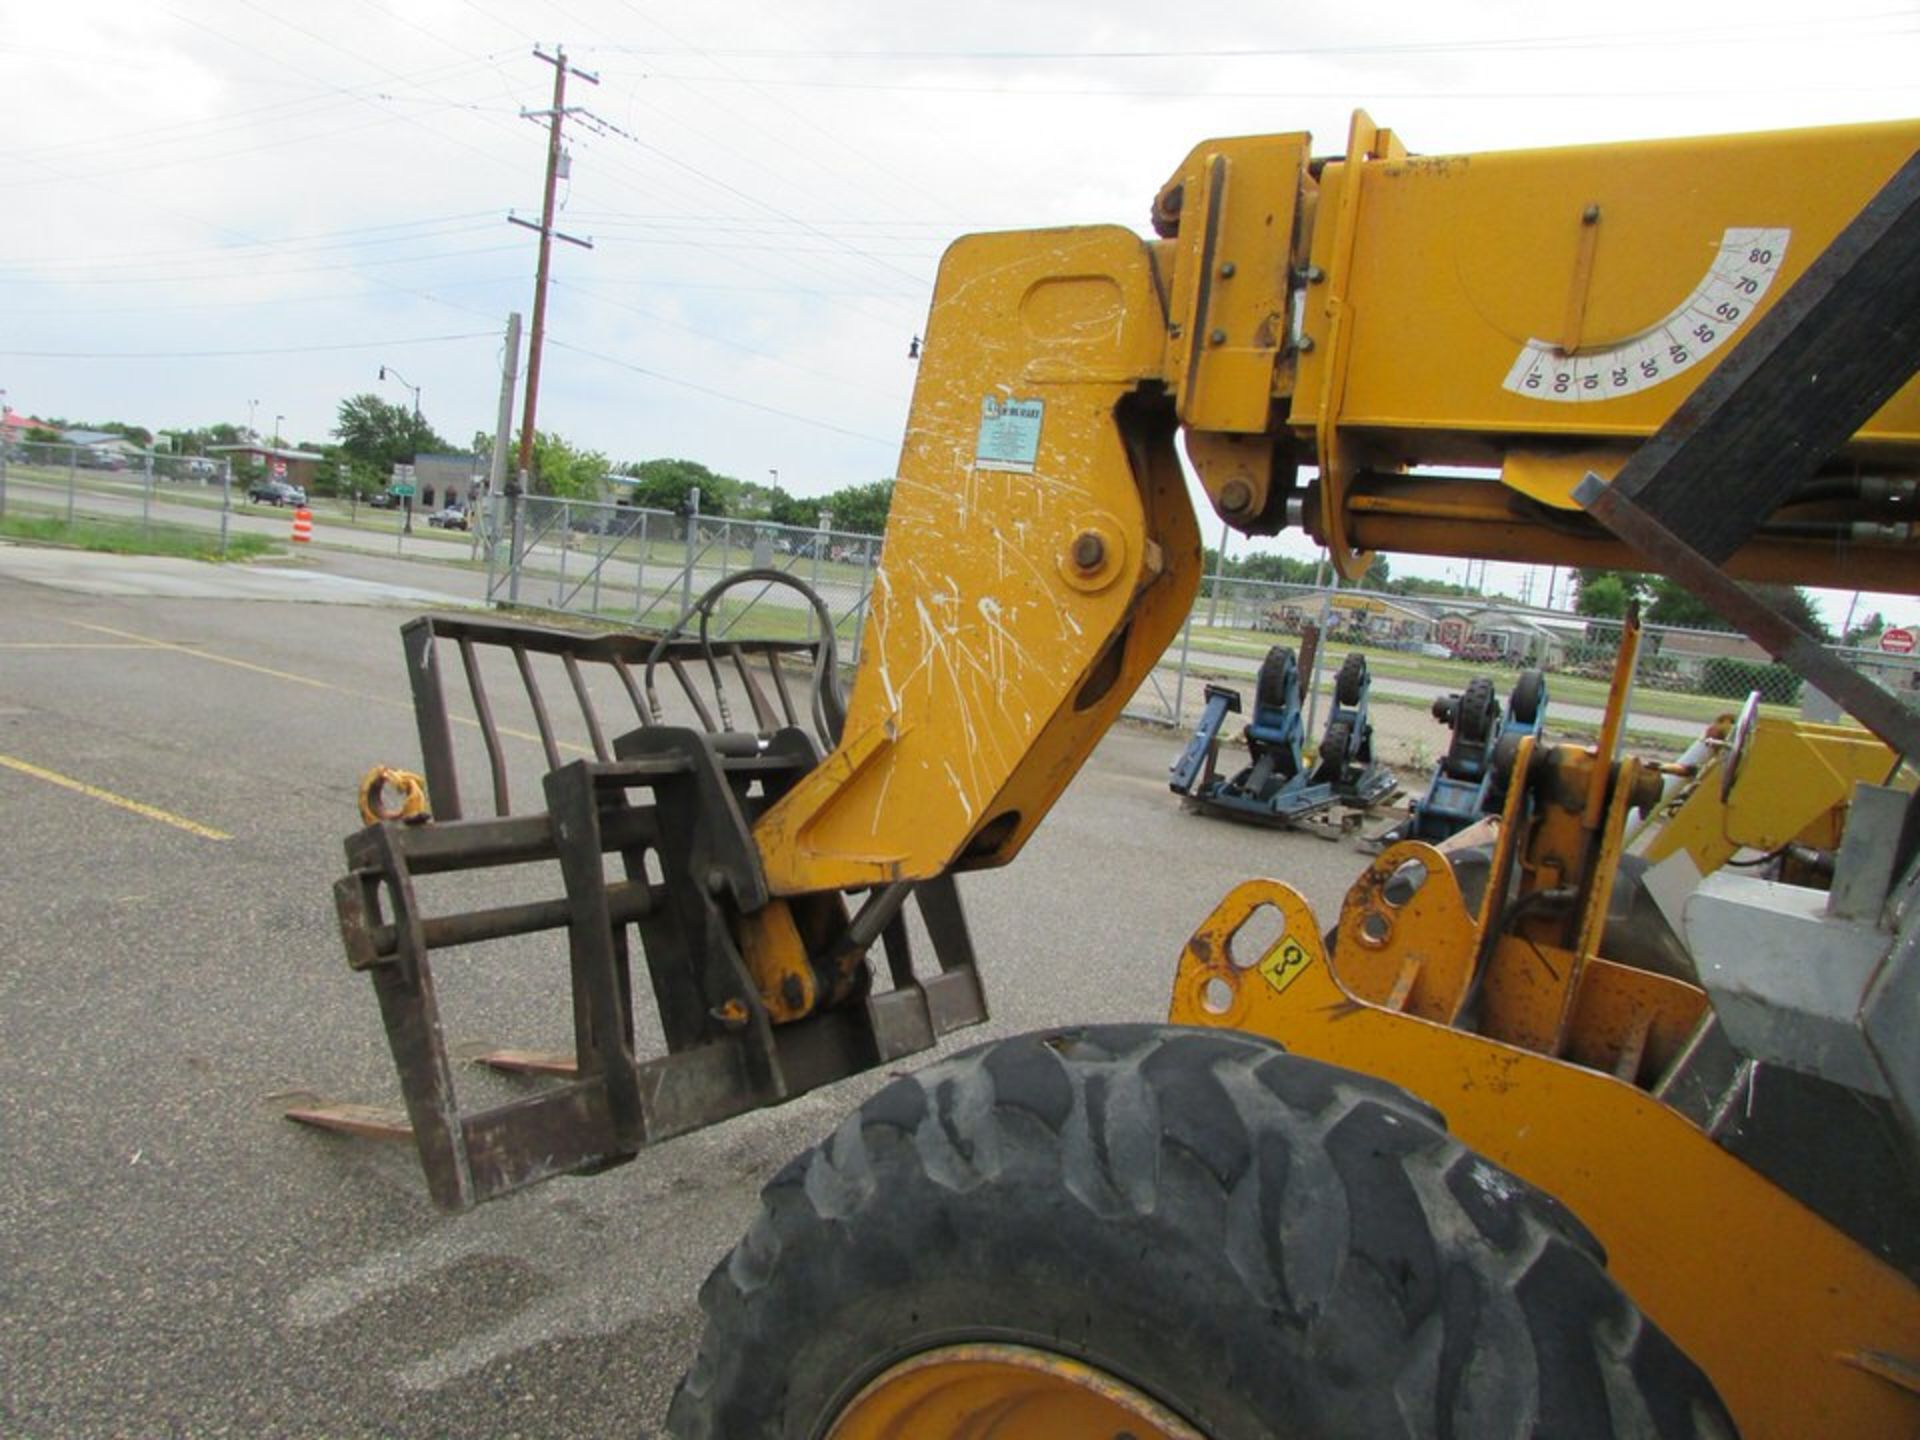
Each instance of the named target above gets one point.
<point>302,525</point>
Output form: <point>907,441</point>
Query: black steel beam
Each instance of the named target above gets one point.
<point>1813,370</point>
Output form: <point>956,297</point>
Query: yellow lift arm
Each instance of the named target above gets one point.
<point>1372,319</point>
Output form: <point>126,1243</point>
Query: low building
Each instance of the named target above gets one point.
<point>1353,614</point>
<point>449,479</point>
<point>296,467</point>
<point>14,426</point>
<point>101,442</point>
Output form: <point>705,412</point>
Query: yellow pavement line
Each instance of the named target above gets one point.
<point>152,643</point>
<point>147,641</point>
<point>70,645</point>
<point>94,792</point>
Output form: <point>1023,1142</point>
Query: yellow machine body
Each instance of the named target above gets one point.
<point>1529,317</point>
<point>1798,1325</point>
<point>1361,316</point>
<point>1417,353</point>
<point>1795,782</point>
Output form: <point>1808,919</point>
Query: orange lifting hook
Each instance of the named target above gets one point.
<point>390,794</point>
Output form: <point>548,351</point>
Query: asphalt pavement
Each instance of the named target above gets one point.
<point>177,772</point>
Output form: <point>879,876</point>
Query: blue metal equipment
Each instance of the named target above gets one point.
<point>1277,788</point>
<point>1470,780</point>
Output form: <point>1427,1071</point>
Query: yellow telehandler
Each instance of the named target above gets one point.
<point>1450,1164</point>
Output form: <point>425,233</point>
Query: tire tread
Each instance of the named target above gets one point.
<point>1436,1294</point>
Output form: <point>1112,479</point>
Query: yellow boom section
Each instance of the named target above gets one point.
<point>1318,329</point>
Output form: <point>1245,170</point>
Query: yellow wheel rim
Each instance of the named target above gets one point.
<point>1003,1392</point>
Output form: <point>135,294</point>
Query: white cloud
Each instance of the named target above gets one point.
<point>769,195</point>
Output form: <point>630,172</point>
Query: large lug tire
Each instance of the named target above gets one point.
<point>1336,748</point>
<point>1263,1244</point>
<point>1276,686</point>
<point>1351,682</point>
<point>1528,690</point>
<point>1478,712</point>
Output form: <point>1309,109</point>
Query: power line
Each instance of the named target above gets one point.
<point>1210,92</point>
<point>147,136</point>
<point>271,249</point>
<point>739,400</point>
<point>840,144</point>
<point>228,274</point>
<point>224,354</point>
<point>256,303</point>
<point>812,372</point>
<point>1718,35</point>
<point>919,281</point>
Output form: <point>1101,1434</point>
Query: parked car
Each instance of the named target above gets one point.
<point>1478,654</point>
<point>101,460</point>
<point>384,500</point>
<point>276,492</point>
<point>450,518</point>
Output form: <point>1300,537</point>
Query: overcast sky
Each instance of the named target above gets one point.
<point>210,203</point>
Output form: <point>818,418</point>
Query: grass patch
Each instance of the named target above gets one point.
<point>1562,688</point>
<point>117,538</point>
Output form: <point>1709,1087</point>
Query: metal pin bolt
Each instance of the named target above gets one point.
<point>1590,216</point>
<point>1218,337</point>
<point>1227,269</point>
<point>1306,344</point>
<point>1089,551</point>
<point>1236,496</point>
<point>1313,274</point>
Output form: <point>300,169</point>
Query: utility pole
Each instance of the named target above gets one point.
<point>555,157</point>
<point>503,428</point>
<point>497,486</point>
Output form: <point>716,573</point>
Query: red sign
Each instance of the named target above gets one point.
<point>1897,641</point>
<point>279,469</point>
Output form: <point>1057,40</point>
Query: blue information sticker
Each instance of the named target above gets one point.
<point>1009,434</point>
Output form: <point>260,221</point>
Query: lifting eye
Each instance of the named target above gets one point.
<point>1404,883</point>
<point>1256,937</point>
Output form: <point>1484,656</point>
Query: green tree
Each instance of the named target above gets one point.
<point>1673,604</point>
<point>380,435</point>
<point>138,434</point>
<point>859,509</point>
<point>201,438</point>
<point>1417,585</point>
<point>1797,605</point>
<point>1865,630</point>
<point>564,470</point>
<point>1608,592</point>
<point>1265,565</point>
<point>664,484</point>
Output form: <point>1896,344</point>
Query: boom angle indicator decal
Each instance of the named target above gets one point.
<point>1741,273</point>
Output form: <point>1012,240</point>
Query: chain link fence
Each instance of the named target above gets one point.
<point>1423,649</point>
<point>115,486</point>
<point>644,567</point>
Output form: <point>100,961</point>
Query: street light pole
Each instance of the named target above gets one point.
<point>276,430</point>
<point>387,372</point>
